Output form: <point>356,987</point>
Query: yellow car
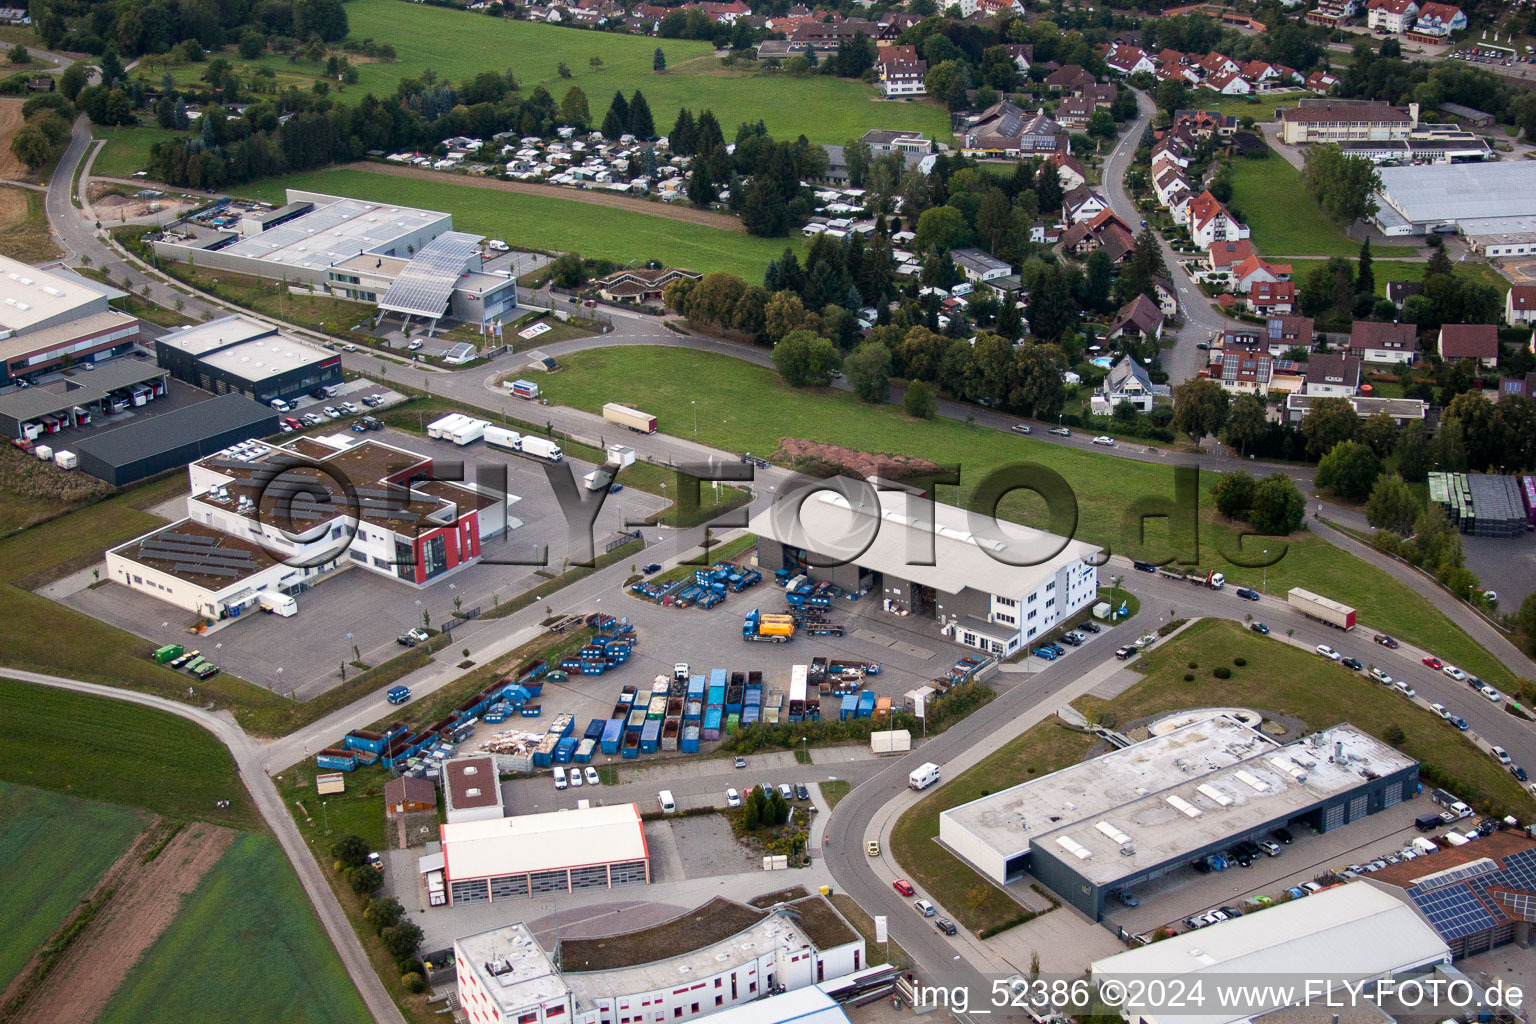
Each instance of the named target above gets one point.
<point>872,847</point>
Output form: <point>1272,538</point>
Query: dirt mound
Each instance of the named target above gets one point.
<point>820,459</point>
<point>137,901</point>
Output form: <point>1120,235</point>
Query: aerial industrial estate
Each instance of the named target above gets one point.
<point>900,511</point>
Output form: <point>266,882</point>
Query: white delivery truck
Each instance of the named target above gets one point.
<point>597,479</point>
<point>277,604</point>
<point>469,429</point>
<point>668,805</point>
<point>501,437</point>
<point>923,776</point>
<point>541,448</point>
<point>559,774</point>
<point>66,460</point>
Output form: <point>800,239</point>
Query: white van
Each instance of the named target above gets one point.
<point>923,776</point>
<point>560,782</point>
<point>280,405</point>
<point>668,805</point>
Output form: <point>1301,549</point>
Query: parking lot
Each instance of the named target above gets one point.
<point>303,655</point>
<point>1186,892</point>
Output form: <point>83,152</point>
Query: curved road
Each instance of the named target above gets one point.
<point>248,760</point>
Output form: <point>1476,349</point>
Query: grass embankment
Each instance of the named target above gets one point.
<point>127,149</point>
<point>865,926</point>
<point>834,791</point>
<point>55,848</point>
<point>35,491</point>
<point>247,941</point>
<point>551,223</point>
<point>971,900</point>
<point>1282,679</point>
<point>1386,271</point>
<point>746,407</point>
<point>1285,219</point>
<point>24,231</point>
<point>137,305</point>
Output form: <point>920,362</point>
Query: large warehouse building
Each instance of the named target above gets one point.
<point>154,444</point>
<point>1492,205</point>
<point>993,587</point>
<point>1154,807</point>
<point>718,959</point>
<point>534,854</point>
<point>408,262</point>
<point>50,319</point>
<point>247,357</point>
<point>1348,934</point>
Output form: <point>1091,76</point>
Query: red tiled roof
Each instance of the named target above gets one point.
<point>1469,341</point>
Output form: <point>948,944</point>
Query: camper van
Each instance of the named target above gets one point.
<point>923,776</point>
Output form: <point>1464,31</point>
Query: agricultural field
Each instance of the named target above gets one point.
<point>55,848</point>
<point>24,231</point>
<point>227,948</point>
<point>1285,219</point>
<point>127,149</point>
<point>460,44</point>
<point>745,407</point>
<point>547,222</point>
<point>102,749</point>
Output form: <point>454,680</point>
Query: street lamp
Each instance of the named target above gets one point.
<point>1265,585</point>
<point>695,405</point>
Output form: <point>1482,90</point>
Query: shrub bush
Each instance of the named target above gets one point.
<point>1189,677</point>
<point>1239,662</point>
<point>413,982</point>
<point>1222,672</point>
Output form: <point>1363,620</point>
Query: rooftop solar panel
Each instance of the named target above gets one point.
<point>1454,911</point>
<point>425,284</point>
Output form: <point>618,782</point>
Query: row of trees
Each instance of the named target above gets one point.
<point>1273,505</point>
<point>1339,291</point>
<point>157,26</point>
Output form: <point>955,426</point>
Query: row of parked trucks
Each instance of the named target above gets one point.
<point>117,401</point>
<point>463,430</point>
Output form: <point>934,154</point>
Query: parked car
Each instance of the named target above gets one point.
<point>1104,440</point>
<point>1061,431</point>
<point>924,907</point>
<point>1091,627</point>
<point>1044,652</point>
<point>1490,693</point>
<point>1246,594</point>
<point>1454,672</point>
<point>1384,640</point>
<point>1020,428</point>
<point>1144,567</point>
<point>1124,652</point>
<point>1402,687</point>
<point>414,345</point>
<point>1518,772</point>
<point>1499,754</point>
<point>872,847</point>
<point>1459,722</point>
<point>1259,627</point>
<point>1127,897</point>
<point>1352,663</point>
<point>412,637</point>
<point>350,408</point>
<point>1328,652</point>
<point>650,567</point>
<point>1381,677</point>
<point>785,791</point>
<point>1433,662</point>
<point>398,694</point>
<point>801,792</point>
<point>904,887</point>
<point>732,798</point>
<point>1283,835</point>
<point>591,774</point>
<point>292,422</point>
<point>741,762</point>
<point>332,412</point>
<point>945,925</point>
<point>376,862</point>
<point>1440,709</point>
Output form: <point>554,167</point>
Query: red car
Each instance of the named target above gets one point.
<point>1384,640</point>
<point>295,424</point>
<point>904,887</point>
<point>1433,662</point>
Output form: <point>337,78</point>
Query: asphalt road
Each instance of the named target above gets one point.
<point>375,996</point>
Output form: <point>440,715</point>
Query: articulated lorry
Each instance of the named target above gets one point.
<point>634,419</point>
<point>775,629</point>
<point>1330,613</point>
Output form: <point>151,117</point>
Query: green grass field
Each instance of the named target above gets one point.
<point>744,407</point>
<point>108,750</point>
<point>1260,108</point>
<point>458,45</point>
<point>1284,218</point>
<point>1281,679</point>
<point>540,222</point>
<point>1407,270</point>
<point>56,848</point>
<point>127,149</point>
<point>229,949</point>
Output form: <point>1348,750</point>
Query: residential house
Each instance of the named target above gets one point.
<point>1332,375</point>
<point>1519,387</point>
<point>1129,60</point>
<point>1402,410</point>
<point>1384,343</point>
<point>1105,231</point>
<point>1254,271</point>
<point>1128,381</point>
<point>1022,53</point>
<point>1004,129</point>
<point>1242,372</point>
<point>979,266</point>
<point>1478,342</point>
<point>1229,83</point>
<point>1139,318</point>
<point>1436,22</point>
<point>893,51</point>
<point>1267,298</point>
<point>1082,203</point>
<point>1332,13</point>
<point>884,141</point>
<point>1520,304</point>
<point>990,8</point>
<point>1069,172</point>
<point>1204,123</point>
<point>900,78</point>
<point>1279,336</point>
<point>1044,233</point>
<point>724,13</point>
<point>1167,297</point>
<point>1391,15</point>
<point>1073,113</point>
<point>642,284</point>
<point>1259,73</point>
<point>1210,222</point>
<point>1226,257</point>
<point>1069,79</point>
<point>1215,63</point>
<point>1399,292</point>
<point>1321,82</point>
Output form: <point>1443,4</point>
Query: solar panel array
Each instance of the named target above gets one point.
<point>1458,903</point>
<point>425,284</point>
<point>195,553</point>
